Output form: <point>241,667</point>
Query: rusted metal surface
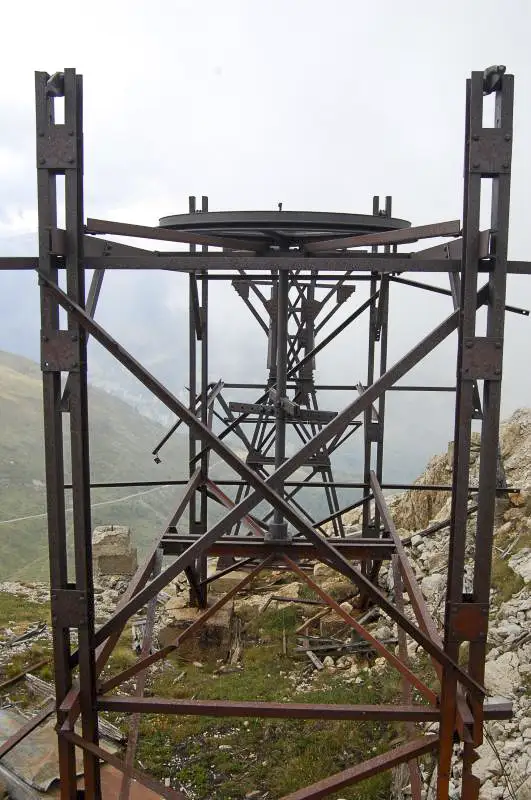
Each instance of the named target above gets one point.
<point>233,708</point>
<point>146,232</point>
<point>413,765</point>
<point>109,758</point>
<point>132,738</point>
<point>451,228</point>
<point>25,728</point>
<point>278,268</point>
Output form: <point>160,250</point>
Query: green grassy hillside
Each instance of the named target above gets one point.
<point>121,442</point>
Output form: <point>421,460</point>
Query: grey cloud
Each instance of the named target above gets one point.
<point>316,105</point>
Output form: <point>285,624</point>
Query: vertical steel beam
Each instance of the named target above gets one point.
<point>383,322</point>
<point>79,432</point>
<point>487,155</point>
<point>489,444</point>
<point>201,564</point>
<point>192,385</point>
<point>278,529</point>
<point>367,528</point>
<point>407,694</point>
<point>53,428</point>
<point>463,422</point>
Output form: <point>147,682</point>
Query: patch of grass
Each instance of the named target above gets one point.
<point>21,661</point>
<point>523,539</point>
<point>505,580</point>
<point>223,759</point>
<point>307,593</point>
<point>342,590</point>
<point>18,613</point>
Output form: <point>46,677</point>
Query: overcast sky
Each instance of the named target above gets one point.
<point>317,105</point>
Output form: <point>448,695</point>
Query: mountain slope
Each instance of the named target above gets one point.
<point>121,442</point>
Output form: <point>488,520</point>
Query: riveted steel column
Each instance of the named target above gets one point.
<point>368,415</point>
<point>79,431</point>
<point>278,529</point>
<point>489,445</point>
<point>487,155</point>
<point>53,426</point>
<point>201,564</point>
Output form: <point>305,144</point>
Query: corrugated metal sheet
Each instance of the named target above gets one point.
<point>34,760</point>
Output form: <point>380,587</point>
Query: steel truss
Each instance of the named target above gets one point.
<point>279,263</point>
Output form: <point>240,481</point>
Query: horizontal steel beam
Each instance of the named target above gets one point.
<point>401,236</point>
<point>201,262</point>
<point>162,234</point>
<point>361,549</point>
<point>410,487</point>
<point>235,708</point>
<point>350,262</point>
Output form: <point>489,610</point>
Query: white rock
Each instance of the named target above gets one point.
<point>328,661</point>
<point>344,662</point>
<point>383,632</point>
<point>501,675</point>
<point>433,587</point>
<point>521,563</point>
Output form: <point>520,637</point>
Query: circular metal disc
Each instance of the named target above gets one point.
<point>284,228</point>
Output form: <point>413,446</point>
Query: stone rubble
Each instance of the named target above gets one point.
<point>504,764</point>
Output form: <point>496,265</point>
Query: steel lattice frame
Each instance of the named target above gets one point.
<point>290,256</point>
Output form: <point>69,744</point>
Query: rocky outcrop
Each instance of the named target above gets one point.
<point>504,764</point>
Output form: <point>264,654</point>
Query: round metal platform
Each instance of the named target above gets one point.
<point>281,228</point>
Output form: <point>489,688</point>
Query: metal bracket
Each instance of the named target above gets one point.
<point>57,148</point>
<point>469,622</point>
<point>490,152</point>
<point>374,431</point>
<point>482,358</point>
<point>310,309</point>
<point>59,351</point>
<point>242,288</point>
<point>69,608</point>
<point>344,292</point>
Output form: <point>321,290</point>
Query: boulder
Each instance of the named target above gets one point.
<point>433,587</point>
<point>501,675</point>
